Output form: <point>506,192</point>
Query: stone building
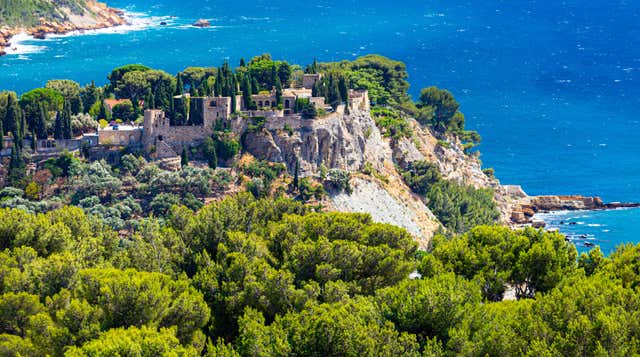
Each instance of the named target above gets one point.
<point>120,135</point>
<point>163,140</point>
<point>309,80</point>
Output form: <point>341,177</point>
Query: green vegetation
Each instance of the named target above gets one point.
<point>385,79</point>
<point>457,206</point>
<point>245,277</point>
<point>126,259</point>
<point>29,12</point>
<point>391,123</point>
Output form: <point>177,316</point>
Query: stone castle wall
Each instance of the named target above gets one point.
<point>120,137</point>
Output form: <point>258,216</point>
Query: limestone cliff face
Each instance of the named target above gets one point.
<point>338,141</point>
<point>348,142</point>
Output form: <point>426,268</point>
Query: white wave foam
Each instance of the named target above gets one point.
<point>21,44</point>
<point>18,47</point>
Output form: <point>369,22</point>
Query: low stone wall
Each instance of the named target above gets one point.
<point>294,122</point>
<point>120,137</point>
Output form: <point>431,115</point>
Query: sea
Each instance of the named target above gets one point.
<point>552,86</point>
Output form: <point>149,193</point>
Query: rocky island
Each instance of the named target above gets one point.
<point>41,17</point>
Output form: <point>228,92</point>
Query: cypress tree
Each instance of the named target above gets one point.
<point>296,176</point>
<point>22,130</point>
<point>334,93</point>
<point>278,90</point>
<point>184,157</point>
<point>246,93</point>
<point>103,113</point>
<point>13,117</point>
<point>204,89</point>
<point>274,75</point>
<point>135,103</point>
<point>218,84</point>
<point>344,89</point>
<point>58,130</point>
<point>242,63</point>
<point>41,123</point>
<point>34,141</point>
<point>193,92</point>
<point>1,136</point>
<point>314,66</point>
<point>17,166</point>
<point>210,153</point>
<point>255,86</point>
<point>149,102</point>
<point>234,102</point>
<point>66,121</point>
<point>179,90</point>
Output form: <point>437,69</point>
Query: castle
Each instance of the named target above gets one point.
<point>162,140</point>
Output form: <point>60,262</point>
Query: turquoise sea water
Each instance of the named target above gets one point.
<point>551,86</point>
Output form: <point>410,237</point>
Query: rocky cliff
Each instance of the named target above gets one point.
<point>55,17</point>
<point>352,142</point>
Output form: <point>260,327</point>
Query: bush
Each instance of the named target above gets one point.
<point>457,206</point>
<point>391,123</point>
<point>339,179</point>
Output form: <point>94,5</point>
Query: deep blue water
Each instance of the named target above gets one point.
<point>551,86</point>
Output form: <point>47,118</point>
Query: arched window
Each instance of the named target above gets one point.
<point>266,103</point>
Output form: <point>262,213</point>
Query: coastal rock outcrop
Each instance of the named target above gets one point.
<point>352,142</point>
<point>94,15</point>
<point>202,23</point>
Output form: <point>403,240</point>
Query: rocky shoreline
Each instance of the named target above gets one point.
<point>527,207</point>
<point>97,16</point>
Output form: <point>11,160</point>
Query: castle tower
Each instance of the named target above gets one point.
<point>154,125</point>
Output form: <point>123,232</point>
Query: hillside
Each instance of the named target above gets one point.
<point>41,17</point>
<point>237,225</point>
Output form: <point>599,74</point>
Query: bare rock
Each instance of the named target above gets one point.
<point>202,23</point>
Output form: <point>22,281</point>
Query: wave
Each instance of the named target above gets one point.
<point>23,44</point>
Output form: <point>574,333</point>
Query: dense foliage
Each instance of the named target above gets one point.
<point>140,266</point>
<point>30,12</point>
<point>459,207</point>
<point>273,277</point>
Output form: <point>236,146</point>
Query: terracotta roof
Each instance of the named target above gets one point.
<point>110,103</point>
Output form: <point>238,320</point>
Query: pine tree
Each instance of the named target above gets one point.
<point>184,157</point>
<point>278,90</point>
<point>41,123</point>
